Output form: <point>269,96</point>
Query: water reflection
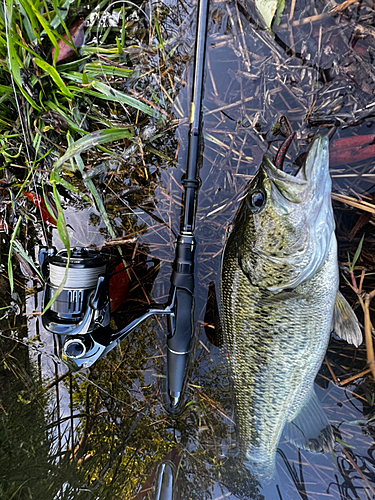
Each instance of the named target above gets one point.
<point>102,432</point>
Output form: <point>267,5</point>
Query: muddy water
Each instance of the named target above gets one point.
<point>100,433</point>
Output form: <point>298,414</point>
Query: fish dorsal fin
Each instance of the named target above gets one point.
<point>344,322</point>
<point>310,428</point>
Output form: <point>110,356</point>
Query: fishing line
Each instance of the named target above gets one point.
<point>22,122</point>
<point>76,278</point>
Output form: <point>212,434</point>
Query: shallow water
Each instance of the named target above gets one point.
<point>101,432</point>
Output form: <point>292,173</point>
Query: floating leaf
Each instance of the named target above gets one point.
<point>268,9</point>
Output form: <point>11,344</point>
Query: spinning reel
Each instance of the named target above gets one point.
<point>80,315</point>
<point>83,304</point>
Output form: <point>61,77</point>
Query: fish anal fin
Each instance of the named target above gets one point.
<point>310,428</point>
<point>344,322</point>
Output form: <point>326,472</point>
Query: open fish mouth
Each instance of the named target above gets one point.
<point>312,177</point>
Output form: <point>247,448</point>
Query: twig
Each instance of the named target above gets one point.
<point>342,6</point>
<point>331,371</point>
<point>306,20</point>
<point>354,377</point>
<point>363,205</point>
<point>368,333</point>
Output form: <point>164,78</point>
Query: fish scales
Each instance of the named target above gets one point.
<point>283,338</point>
<point>277,292</point>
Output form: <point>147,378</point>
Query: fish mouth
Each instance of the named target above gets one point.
<point>296,188</point>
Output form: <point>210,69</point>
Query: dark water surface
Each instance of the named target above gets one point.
<point>100,433</point>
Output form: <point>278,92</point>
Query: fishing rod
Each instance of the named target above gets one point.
<point>81,313</point>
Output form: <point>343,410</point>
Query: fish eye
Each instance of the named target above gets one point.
<point>257,199</point>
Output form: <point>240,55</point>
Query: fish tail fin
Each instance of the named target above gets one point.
<point>310,428</point>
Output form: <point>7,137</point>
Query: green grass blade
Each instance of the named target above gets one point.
<point>98,201</point>
<point>119,47</point>
<point>64,236</point>
<point>61,13</point>
<point>48,205</point>
<point>116,95</point>
<point>71,188</point>
<point>46,28</point>
<point>158,32</point>
<point>110,94</point>
<point>20,250</point>
<point>25,8</point>
<point>51,71</point>
<point>357,253</point>
<point>92,140</point>
<point>60,19</point>
<point>64,112</point>
<point>94,69</point>
<point>14,63</point>
<point>28,22</point>
<point>10,268</point>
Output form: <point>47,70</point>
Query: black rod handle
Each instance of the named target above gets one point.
<point>178,344</point>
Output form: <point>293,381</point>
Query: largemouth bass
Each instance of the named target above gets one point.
<point>278,298</point>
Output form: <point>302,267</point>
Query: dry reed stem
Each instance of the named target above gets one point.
<point>292,7</point>
<point>341,383</point>
<point>342,6</point>
<point>331,371</point>
<point>306,20</point>
<point>363,205</point>
<point>368,333</point>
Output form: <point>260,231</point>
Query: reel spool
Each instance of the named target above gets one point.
<point>83,304</point>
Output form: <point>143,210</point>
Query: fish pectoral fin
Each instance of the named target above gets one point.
<point>310,428</point>
<point>282,296</point>
<point>344,322</point>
